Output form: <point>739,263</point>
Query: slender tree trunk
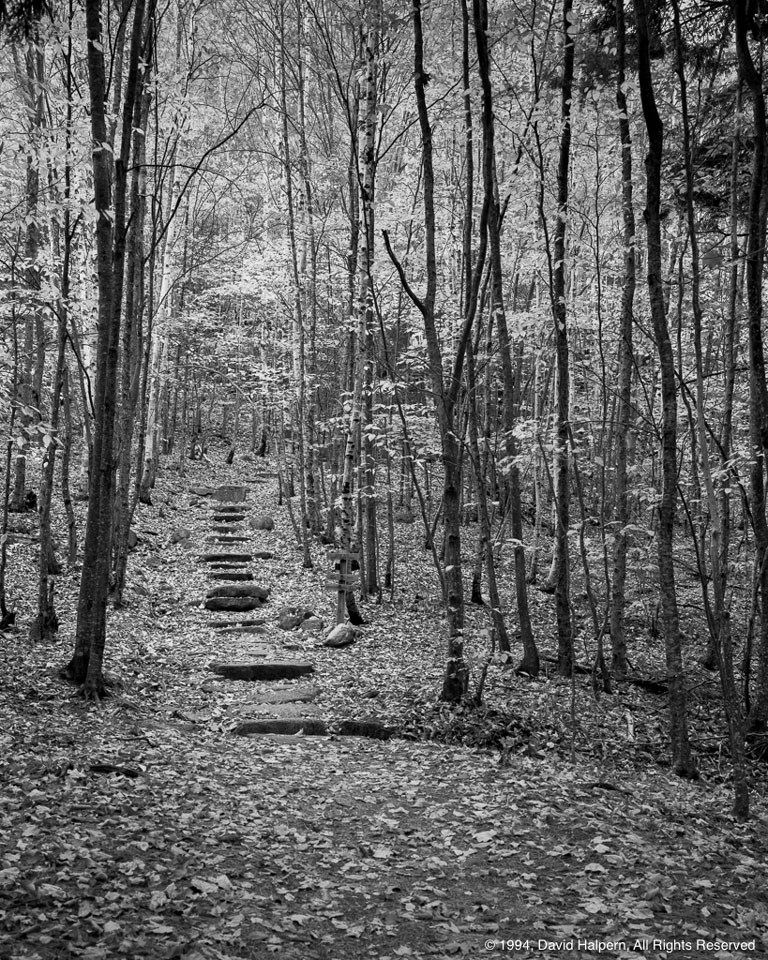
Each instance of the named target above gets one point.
<point>562,357</point>
<point>681,750</point>
<point>624,386</point>
<point>530,661</point>
<point>752,79</point>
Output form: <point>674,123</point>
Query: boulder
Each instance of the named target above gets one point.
<point>342,635</point>
<point>288,618</point>
<point>266,670</point>
<point>201,491</point>
<point>241,590</point>
<point>309,727</point>
<point>179,534</point>
<point>312,625</point>
<point>232,603</point>
<point>263,522</point>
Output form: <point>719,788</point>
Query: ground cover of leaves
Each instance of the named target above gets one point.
<point>143,828</point>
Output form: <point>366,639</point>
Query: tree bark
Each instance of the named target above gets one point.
<point>681,750</point>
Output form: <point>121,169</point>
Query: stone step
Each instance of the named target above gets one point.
<point>223,624</point>
<point>228,517</point>
<point>263,555</point>
<point>222,604</point>
<point>232,493</point>
<point>226,557</point>
<point>242,630</point>
<point>294,710</point>
<point>230,508</point>
<point>286,693</point>
<point>241,590</point>
<point>232,575</point>
<point>311,727</point>
<point>226,538</point>
<point>270,670</point>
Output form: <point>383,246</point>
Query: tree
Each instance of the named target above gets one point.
<point>681,749</point>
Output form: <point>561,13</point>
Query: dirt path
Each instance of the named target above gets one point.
<point>146,829</point>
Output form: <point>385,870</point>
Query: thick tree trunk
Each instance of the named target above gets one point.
<point>86,666</point>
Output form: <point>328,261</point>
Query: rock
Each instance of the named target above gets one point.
<point>201,491</point>
<point>293,693</point>
<point>225,539</point>
<point>288,618</point>
<point>310,727</point>
<point>133,539</point>
<point>312,625</point>
<point>233,576</point>
<point>179,534</point>
<point>263,554</point>
<point>228,517</point>
<point>226,557</point>
<point>404,515</point>
<point>342,635</point>
<point>263,522</point>
<point>230,508</point>
<point>268,670</point>
<point>243,590</point>
<point>274,711</point>
<point>243,630</point>
<point>373,729</point>
<point>234,494</point>
<point>221,624</point>
<point>232,603</point>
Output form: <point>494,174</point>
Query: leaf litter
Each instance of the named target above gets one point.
<point>144,829</point>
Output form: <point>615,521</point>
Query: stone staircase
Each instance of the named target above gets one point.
<point>281,708</point>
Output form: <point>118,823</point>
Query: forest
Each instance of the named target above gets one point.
<point>433,331</point>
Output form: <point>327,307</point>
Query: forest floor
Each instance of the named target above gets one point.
<point>544,824</point>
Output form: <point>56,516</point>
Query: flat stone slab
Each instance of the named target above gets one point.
<point>231,575</point>
<point>234,494</point>
<point>230,508</point>
<point>263,555</point>
<point>223,624</point>
<point>293,693</point>
<point>242,630</point>
<point>232,603</point>
<point>278,711</point>
<point>224,528</point>
<point>228,517</point>
<point>226,557</point>
<point>269,670</point>
<point>311,727</point>
<point>243,590</point>
<point>373,729</point>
